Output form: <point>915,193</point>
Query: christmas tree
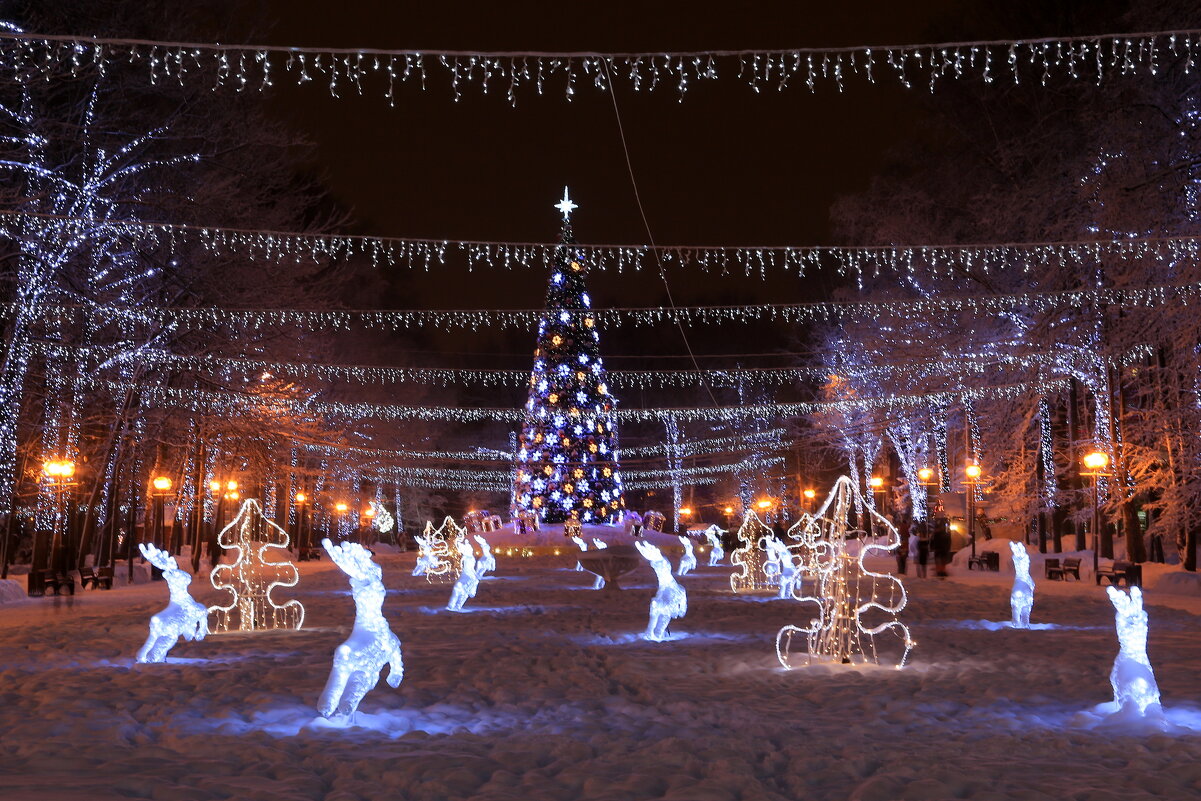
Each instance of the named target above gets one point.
<point>566,462</point>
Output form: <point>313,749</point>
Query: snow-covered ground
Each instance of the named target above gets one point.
<point>542,690</point>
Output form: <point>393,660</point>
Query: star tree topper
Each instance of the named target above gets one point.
<point>566,206</point>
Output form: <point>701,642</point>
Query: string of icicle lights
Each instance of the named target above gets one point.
<point>484,476</point>
<point>427,254</point>
<point>254,320</point>
<point>246,369</point>
<point>765,441</point>
<point>210,402</point>
<point>360,70</point>
<point>439,482</point>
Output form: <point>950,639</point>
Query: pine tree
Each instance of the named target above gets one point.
<point>566,457</point>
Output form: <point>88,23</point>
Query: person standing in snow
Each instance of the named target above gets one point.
<point>941,543</point>
<point>903,546</point>
<point>923,547</point>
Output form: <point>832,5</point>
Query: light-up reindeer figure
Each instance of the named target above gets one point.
<point>1021,599</point>
<point>716,552</point>
<point>786,567</point>
<point>1132,678</point>
<point>426,560</point>
<point>467,582</point>
<point>371,644</point>
<point>183,616</point>
<point>487,562</point>
<point>599,545</point>
<point>670,600</point>
<point>583,546</point>
<point>688,560</point>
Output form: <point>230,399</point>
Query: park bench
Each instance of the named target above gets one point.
<point>1058,571</point>
<point>310,554</point>
<point>98,578</point>
<point>985,560</point>
<point>58,582</point>
<point>1119,571</point>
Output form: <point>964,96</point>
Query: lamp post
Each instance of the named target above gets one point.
<point>810,496</point>
<point>877,486</point>
<point>971,480</point>
<point>340,508</point>
<point>1096,462</point>
<point>60,476</point>
<point>301,515</point>
<point>685,511</point>
<point>160,487</point>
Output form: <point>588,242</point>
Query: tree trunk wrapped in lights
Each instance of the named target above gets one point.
<point>566,461</point>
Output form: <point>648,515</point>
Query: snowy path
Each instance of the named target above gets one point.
<point>542,691</point>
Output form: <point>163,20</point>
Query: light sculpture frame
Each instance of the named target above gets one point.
<point>252,577</point>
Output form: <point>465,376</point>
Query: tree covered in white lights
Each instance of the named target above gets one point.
<point>566,456</point>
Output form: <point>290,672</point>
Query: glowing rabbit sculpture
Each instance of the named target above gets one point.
<point>183,616</point>
<point>1021,599</point>
<point>670,600</point>
<point>583,546</point>
<point>716,552</point>
<point>1133,680</point>
<point>785,565</point>
<point>467,582</point>
<point>599,545</point>
<point>688,560</point>
<point>371,644</point>
<point>427,560</point>
<point>487,562</point>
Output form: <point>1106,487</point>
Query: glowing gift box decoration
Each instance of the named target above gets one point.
<point>253,575</point>
<point>844,594</point>
<point>653,521</point>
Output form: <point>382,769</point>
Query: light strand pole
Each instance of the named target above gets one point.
<point>971,481</point>
<point>1096,462</point>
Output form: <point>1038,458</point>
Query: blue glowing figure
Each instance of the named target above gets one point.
<point>716,552</point>
<point>487,562</point>
<point>371,644</point>
<point>599,545</point>
<point>583,546</point>
<point>183,616</point>
<point>1021,599</point>
<point>1133,681</point>
<point>670,600</point>
<point>468,582</point>
<point>688,560</point>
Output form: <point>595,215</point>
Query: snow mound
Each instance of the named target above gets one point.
<point>11,591</point>
<point>1179,582</point>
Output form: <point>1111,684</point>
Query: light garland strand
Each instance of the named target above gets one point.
<point>245,67</point>
<point>232,403</point>
<point>426,254</point>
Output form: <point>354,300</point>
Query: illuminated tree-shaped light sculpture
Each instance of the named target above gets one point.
<point>183,617</point>
<point>843,592</point>
<point>566,460</point>
<point>669,602</point>
<point>750,557</point>
<point>487,562</point>
<point>688,560</point>
<point>438,559</point>
<point>716,552</point>
<point>252,576</point>
<point>1021,598</point>
<point>382,519</point>
<point>467,582</point>
<point>371,644</point>
<point>1135,691</point>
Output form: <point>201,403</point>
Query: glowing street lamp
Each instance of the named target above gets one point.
<point>971,480</point>
<point>59,475</point>
<point>810,495</point>
<point>1096,462</point>
<point>764,505</point>
<point>341,508</point>
<point>161,484</point>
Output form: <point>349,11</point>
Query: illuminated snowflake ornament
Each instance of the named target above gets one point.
<point>1021,598</point>
<point>1135,692</point>
<point>183,616</point>
<point>716,552</point>
<point>487,562</point>
<point>468,582</point>
<point>252,576</point>
<point>841,589</point>
<point>688,560</point>
<point>670,601</point>
<point>371,644</point>
<point>750,557</point>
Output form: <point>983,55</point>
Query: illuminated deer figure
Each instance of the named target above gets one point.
<point>468,582</point>
<point>371,644</point>
<point>688,560</point>
<point>786,567</point>
<point>1021,599</point>
<point>487,562</point>
<point>1132,678</point>
<point>583,546</point>
<point>670,600</point>
<point>183,616</point>
<point>599,545</point>
<point>716,553</point>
